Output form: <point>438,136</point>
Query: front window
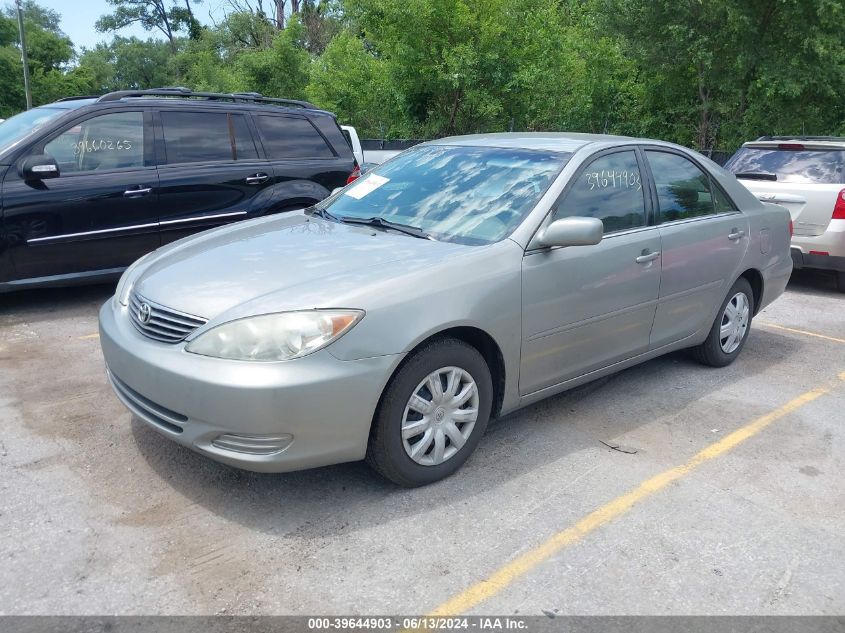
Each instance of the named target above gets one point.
<point>610,189</point>
<point>469,195</point>
<point>17,128</point>
<point>101,143</point>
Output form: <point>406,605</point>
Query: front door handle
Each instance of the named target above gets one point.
<point>257,179</point>
<point>137,192</point>
<point>735,235</point>
<point>647,257</point>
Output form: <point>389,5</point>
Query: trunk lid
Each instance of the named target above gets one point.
<point>804,175</point>
<point>810,205</point>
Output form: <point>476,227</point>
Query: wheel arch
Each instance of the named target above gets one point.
<point>755,279</point>
<point>481,341</point>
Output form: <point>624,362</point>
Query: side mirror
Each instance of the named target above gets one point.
<point>39,167</point>
<point>574,231</point>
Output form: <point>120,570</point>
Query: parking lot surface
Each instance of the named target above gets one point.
<point>101,515</point>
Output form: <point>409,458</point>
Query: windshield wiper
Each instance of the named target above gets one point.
<point>387,224</point>
<point>756,175</point>
<point>323,213</point>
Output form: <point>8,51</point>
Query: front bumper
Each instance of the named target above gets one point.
<point>316,409</point>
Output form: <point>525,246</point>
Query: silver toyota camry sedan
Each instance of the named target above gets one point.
<point>463,279</point>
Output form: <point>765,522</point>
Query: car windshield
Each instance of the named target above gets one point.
<point>790,165</point>
<point>15,129</point>
<point>469,195</point>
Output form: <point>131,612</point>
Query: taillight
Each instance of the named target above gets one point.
<point>839,208</point>
<point>792,146</point>
<point>355,175</point>
<point>791,228</point>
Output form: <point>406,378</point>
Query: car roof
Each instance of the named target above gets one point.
<point>71,103</point>
<point>807,143</point>
<point>547,141</point>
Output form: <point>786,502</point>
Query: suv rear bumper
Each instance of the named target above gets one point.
<point>821,262</point>
<point>808,251</point>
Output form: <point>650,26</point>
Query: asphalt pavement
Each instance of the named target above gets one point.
<point>727,497</point>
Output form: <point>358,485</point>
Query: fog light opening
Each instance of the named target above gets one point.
<point>252,444</point>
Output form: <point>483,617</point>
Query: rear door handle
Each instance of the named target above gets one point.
<point>736,234</point>
<point>647,257</point>
<point>138,192</point>
<point>257,179</point>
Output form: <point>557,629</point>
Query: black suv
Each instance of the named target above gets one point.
<point>89,184</point>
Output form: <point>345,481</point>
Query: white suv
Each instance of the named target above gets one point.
<point>805,174</point>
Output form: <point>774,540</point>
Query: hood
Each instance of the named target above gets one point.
<point>280,263</point>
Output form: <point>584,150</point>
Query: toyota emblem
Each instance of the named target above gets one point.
<point>144,313</point>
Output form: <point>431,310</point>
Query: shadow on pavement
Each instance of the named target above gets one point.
<point>37,304</point>
<point>339,499</point>
<point>817,283</point>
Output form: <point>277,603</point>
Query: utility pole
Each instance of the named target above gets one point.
<point>23,57</point>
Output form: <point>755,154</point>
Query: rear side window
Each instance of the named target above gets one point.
<point>202,137</point>
<point>789,165</point>
<point>291,137</point>
<point>683,190</point>
<point>610,189</point>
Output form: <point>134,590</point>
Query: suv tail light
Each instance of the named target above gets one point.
<point>791,228</point>
<point>355,175</point>
<point>839,208</point>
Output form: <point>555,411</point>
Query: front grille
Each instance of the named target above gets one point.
<point>160,323</point>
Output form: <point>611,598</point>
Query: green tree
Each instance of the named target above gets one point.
<point>719,72</point>
<point>153,15</point>
<point>50,56</point>
<point>351,82</point>
<point>127,63</point>
<point>280,70</point>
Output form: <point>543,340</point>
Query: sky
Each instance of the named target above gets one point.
<point>79,16</point>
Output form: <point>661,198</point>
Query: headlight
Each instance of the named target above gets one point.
<point>124,286</point>
<point>273,337</point>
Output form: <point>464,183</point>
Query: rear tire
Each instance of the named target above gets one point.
<point>730,329</point>
<point>432,414</point>
<point>840,281</point>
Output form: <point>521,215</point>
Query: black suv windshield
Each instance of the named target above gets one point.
<point>470,195</point>
<point>14,130</point>
<point>790,165</point>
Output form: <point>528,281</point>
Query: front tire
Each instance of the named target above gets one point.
<point>730,330</point>
<point>432,414</point>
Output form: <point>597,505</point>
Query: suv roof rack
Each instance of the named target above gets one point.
<point>77,98</point>
<point>187,93</point>
<point>799,137</point>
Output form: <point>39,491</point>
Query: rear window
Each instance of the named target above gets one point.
<point>805,166</point>
<point>202,137</point>
<point>291,137</point>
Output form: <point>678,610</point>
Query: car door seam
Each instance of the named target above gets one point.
<point>590,320</point>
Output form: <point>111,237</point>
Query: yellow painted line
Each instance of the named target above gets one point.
<point>804,332</point>
<point>499,580</point>
<point>87,336</point>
